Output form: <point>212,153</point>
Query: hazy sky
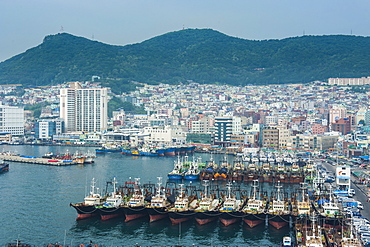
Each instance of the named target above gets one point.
<point>24,23</point>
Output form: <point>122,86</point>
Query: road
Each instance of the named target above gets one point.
<point>360,189</point>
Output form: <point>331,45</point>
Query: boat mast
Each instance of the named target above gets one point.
<point>159,186</point>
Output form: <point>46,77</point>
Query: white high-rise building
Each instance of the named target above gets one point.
<point>84,108</point>
<point>11,120</point>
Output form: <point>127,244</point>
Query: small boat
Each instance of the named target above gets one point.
<point>108,148</point>
<point>4,167</point>
<point>287,241</point>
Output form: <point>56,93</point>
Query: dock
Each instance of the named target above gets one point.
<point>35,160</point>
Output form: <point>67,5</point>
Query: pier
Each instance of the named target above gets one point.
<point>34,160</point>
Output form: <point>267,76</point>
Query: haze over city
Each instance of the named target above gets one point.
<point>26,23</point>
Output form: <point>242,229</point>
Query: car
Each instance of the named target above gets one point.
<point>351,191</point>
<point>359,205</point>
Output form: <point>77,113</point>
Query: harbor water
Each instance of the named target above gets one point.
<point>35,205</point>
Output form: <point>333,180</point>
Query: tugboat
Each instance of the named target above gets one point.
<point>88,208</point>
<point>278,212</point>
<point>113,206</point>
<point>157,209</point>
<point>183,209</point>
<point>255,210</point>
<point>230,209</point>
<point>135,207</point>
<point>207,211</point>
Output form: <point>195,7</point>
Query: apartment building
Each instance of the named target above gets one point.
<point>84,108</point>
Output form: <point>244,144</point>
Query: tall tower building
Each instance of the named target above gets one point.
<point>84,108</point>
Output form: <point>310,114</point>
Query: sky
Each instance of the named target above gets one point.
<point>24,23</point>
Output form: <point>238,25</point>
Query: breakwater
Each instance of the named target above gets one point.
<point>35,160</point>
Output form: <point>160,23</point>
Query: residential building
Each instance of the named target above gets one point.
<point>342,125</point>
<point>270,137</point>
<point>84,108</point>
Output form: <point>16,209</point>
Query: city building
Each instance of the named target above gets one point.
<point>84,108</point>
<point>349,81</point>
<point>270,137</point>
<point>47,128</point>
<point>12,120</point>
<point>312,142</point>
<point>223,129</point>
<point>342,125</point>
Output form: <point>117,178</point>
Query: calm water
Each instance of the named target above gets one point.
<point>35,206</point>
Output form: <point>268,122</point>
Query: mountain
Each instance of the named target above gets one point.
<point>200,55</point>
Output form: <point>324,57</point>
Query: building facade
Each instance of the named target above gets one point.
<point>47,128</point>
<point>12,120</point>
<point>84,108</point>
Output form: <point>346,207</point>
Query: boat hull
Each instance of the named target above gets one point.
<point>206,217</point>
<point>278,221</point>
<point>178,217</point>
<point>110,213</point>
<point>156,214</point>
<point>253,220</point>
<point>229,218</point>
<point>84,211</point>
<point>133,213</point>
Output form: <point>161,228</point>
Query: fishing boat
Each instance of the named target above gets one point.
<point>89,159</point>
<point>255,209</point>
<point>193,173</point>
<point>231,208</point>
<point>208,172</point>
<point>88,208</point>
<point>113,207</point>
<point>183,209</point>
<point>157,209</point>
<point>79,158</point>
<point>108,148</point>
<point>330,211</point>
<point>4,167</point>
<point>310,235</point>
<point>278,212</point>
<point>135,207</point>
<point>237,171</point>
<point>147,151</point>
<point>178,171</point>
<point>207,211</point>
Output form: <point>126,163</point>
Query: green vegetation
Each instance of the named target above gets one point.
<point>199,55</point>
<point>36,108</point>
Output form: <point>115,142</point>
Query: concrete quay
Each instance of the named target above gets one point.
<point>40,161</point>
